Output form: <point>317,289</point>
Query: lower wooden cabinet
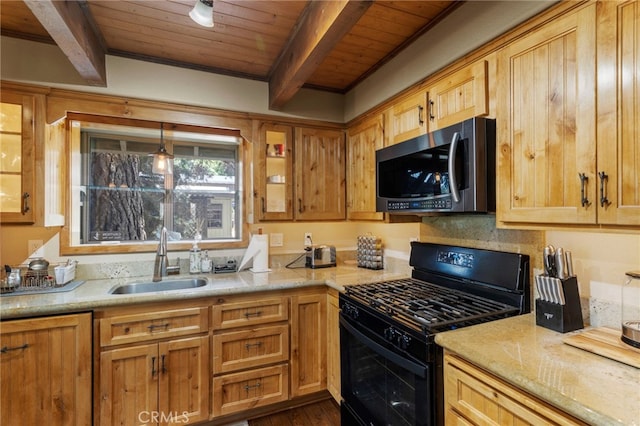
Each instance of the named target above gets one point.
<point>167,381</point>
<point>475,397</point>
<point>333,345</point>
<point>45,365</point>
<point>308,343</point>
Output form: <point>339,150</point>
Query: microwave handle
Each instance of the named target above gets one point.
<point>453,185</point>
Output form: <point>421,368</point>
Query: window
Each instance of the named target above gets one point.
<point>118,200</point>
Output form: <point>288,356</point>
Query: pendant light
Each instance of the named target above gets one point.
<point>162,160</point>
<point>202,13</point>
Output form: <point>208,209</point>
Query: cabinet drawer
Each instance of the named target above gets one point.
<point>483,399</point>
<point>249,389</point>
<point>260,311</point>
<point>141,327</point>
<point>250,348</point>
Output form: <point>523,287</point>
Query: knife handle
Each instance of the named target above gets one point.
<point>569,260</point>
<point>561,264</point>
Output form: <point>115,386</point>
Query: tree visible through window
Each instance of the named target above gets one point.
<point>123,201</point>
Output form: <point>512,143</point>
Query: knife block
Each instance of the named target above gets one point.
<point>558,317</point>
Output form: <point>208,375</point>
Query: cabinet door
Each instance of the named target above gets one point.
<point>273,197</point>
<point>184,380</point>
<point>129,385</point>
<point>333,345</point>
<point>362,142</point>
<point>459,96</point>
<point>320,174</point>
<point>45,365</point>
<point>406,118</point>
<point>308,343</point>
<point>17,157</point>
<point>618,113</point>
<point>546,123</point>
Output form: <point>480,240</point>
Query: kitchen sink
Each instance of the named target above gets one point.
<point>151,286</point>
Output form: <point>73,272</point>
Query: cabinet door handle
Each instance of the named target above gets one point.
<point>247,388</point>
<point>6,349</point>
<point>264,208</point>
<point>153,367</point>
<point>152,327</point>
<point>252,314</point>
<point>163,368</point>
<point>604,179</point>
<point>300,208</point>
<point>583,183</point>
<point>431,106</point>
<point>248,346</point>
<point>420,113</point>
<point>25,203</point>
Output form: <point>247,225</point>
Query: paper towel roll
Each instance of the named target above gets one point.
<point>258,250</point>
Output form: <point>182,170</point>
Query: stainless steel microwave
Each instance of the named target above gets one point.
<point>451,170</point>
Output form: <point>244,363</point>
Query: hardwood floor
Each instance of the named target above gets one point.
<point>323,413</point>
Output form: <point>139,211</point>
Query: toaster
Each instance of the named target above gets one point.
<point>321,257</point>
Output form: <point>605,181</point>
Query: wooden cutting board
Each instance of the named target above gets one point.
<point>605,342</point>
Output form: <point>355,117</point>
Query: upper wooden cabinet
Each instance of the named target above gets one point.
<point>17,157</point>
<point>362,142</point>
<point>618,156</point>
<point>406,119</point>
<point>274,172</point>
<point>546,131</point>
<point>320,181</point>
<point>32,160</point>
<point>458,96</point>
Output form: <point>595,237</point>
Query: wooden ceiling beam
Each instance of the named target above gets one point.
<point>75,36</point>
<point>321,26</point>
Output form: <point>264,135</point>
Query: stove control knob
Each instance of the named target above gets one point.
<point>390,334</point>
<point>404,341</point>
<point>350,310</point>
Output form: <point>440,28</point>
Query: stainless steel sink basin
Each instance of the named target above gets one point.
<point>149,287</point>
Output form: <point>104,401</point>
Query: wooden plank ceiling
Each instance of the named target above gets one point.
<point>325,45</point>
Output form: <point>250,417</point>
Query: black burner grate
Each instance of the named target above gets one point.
<point>428,306</point>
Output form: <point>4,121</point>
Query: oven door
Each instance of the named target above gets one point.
<point>380,385</point>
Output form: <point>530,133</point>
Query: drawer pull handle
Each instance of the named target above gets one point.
<point>247,388</point>
<point>252,314</point>
<point>152,327</point>
<point>252,345</point>
<point>153,366</point>
<point>6,349</point>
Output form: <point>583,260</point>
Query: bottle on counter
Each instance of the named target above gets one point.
<point>195,263</point>
<point>205,263</point>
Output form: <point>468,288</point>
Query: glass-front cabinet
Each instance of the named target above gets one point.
<point>17,158</point>
<point>274,189</point>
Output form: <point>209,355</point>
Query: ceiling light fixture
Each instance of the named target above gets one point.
<point>162,160</point>
<point>202,13</point>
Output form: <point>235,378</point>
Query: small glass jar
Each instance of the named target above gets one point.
<point>630,308</point>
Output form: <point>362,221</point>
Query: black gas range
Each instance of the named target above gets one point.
<point>391,367</point>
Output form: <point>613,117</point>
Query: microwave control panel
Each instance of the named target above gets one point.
<point>431,204</point>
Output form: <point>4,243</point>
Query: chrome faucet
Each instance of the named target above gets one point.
<point>161,267</point>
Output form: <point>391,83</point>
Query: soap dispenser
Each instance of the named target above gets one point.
<point>205,263</point>
<point>195,262</point>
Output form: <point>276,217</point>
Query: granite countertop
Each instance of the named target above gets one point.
<point>94,293</point>
<point>587,386</point>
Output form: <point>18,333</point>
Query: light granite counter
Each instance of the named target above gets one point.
<point>589,387</point>
<point>94,293</point>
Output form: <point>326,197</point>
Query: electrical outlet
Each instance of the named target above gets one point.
<point>35,248</point>
<point>276,240</point>
<point>308,241</point>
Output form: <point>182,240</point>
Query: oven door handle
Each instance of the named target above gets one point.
<point>413,367</point>
<point>453,182</point>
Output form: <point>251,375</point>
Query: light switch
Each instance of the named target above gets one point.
<point>276,240</point>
